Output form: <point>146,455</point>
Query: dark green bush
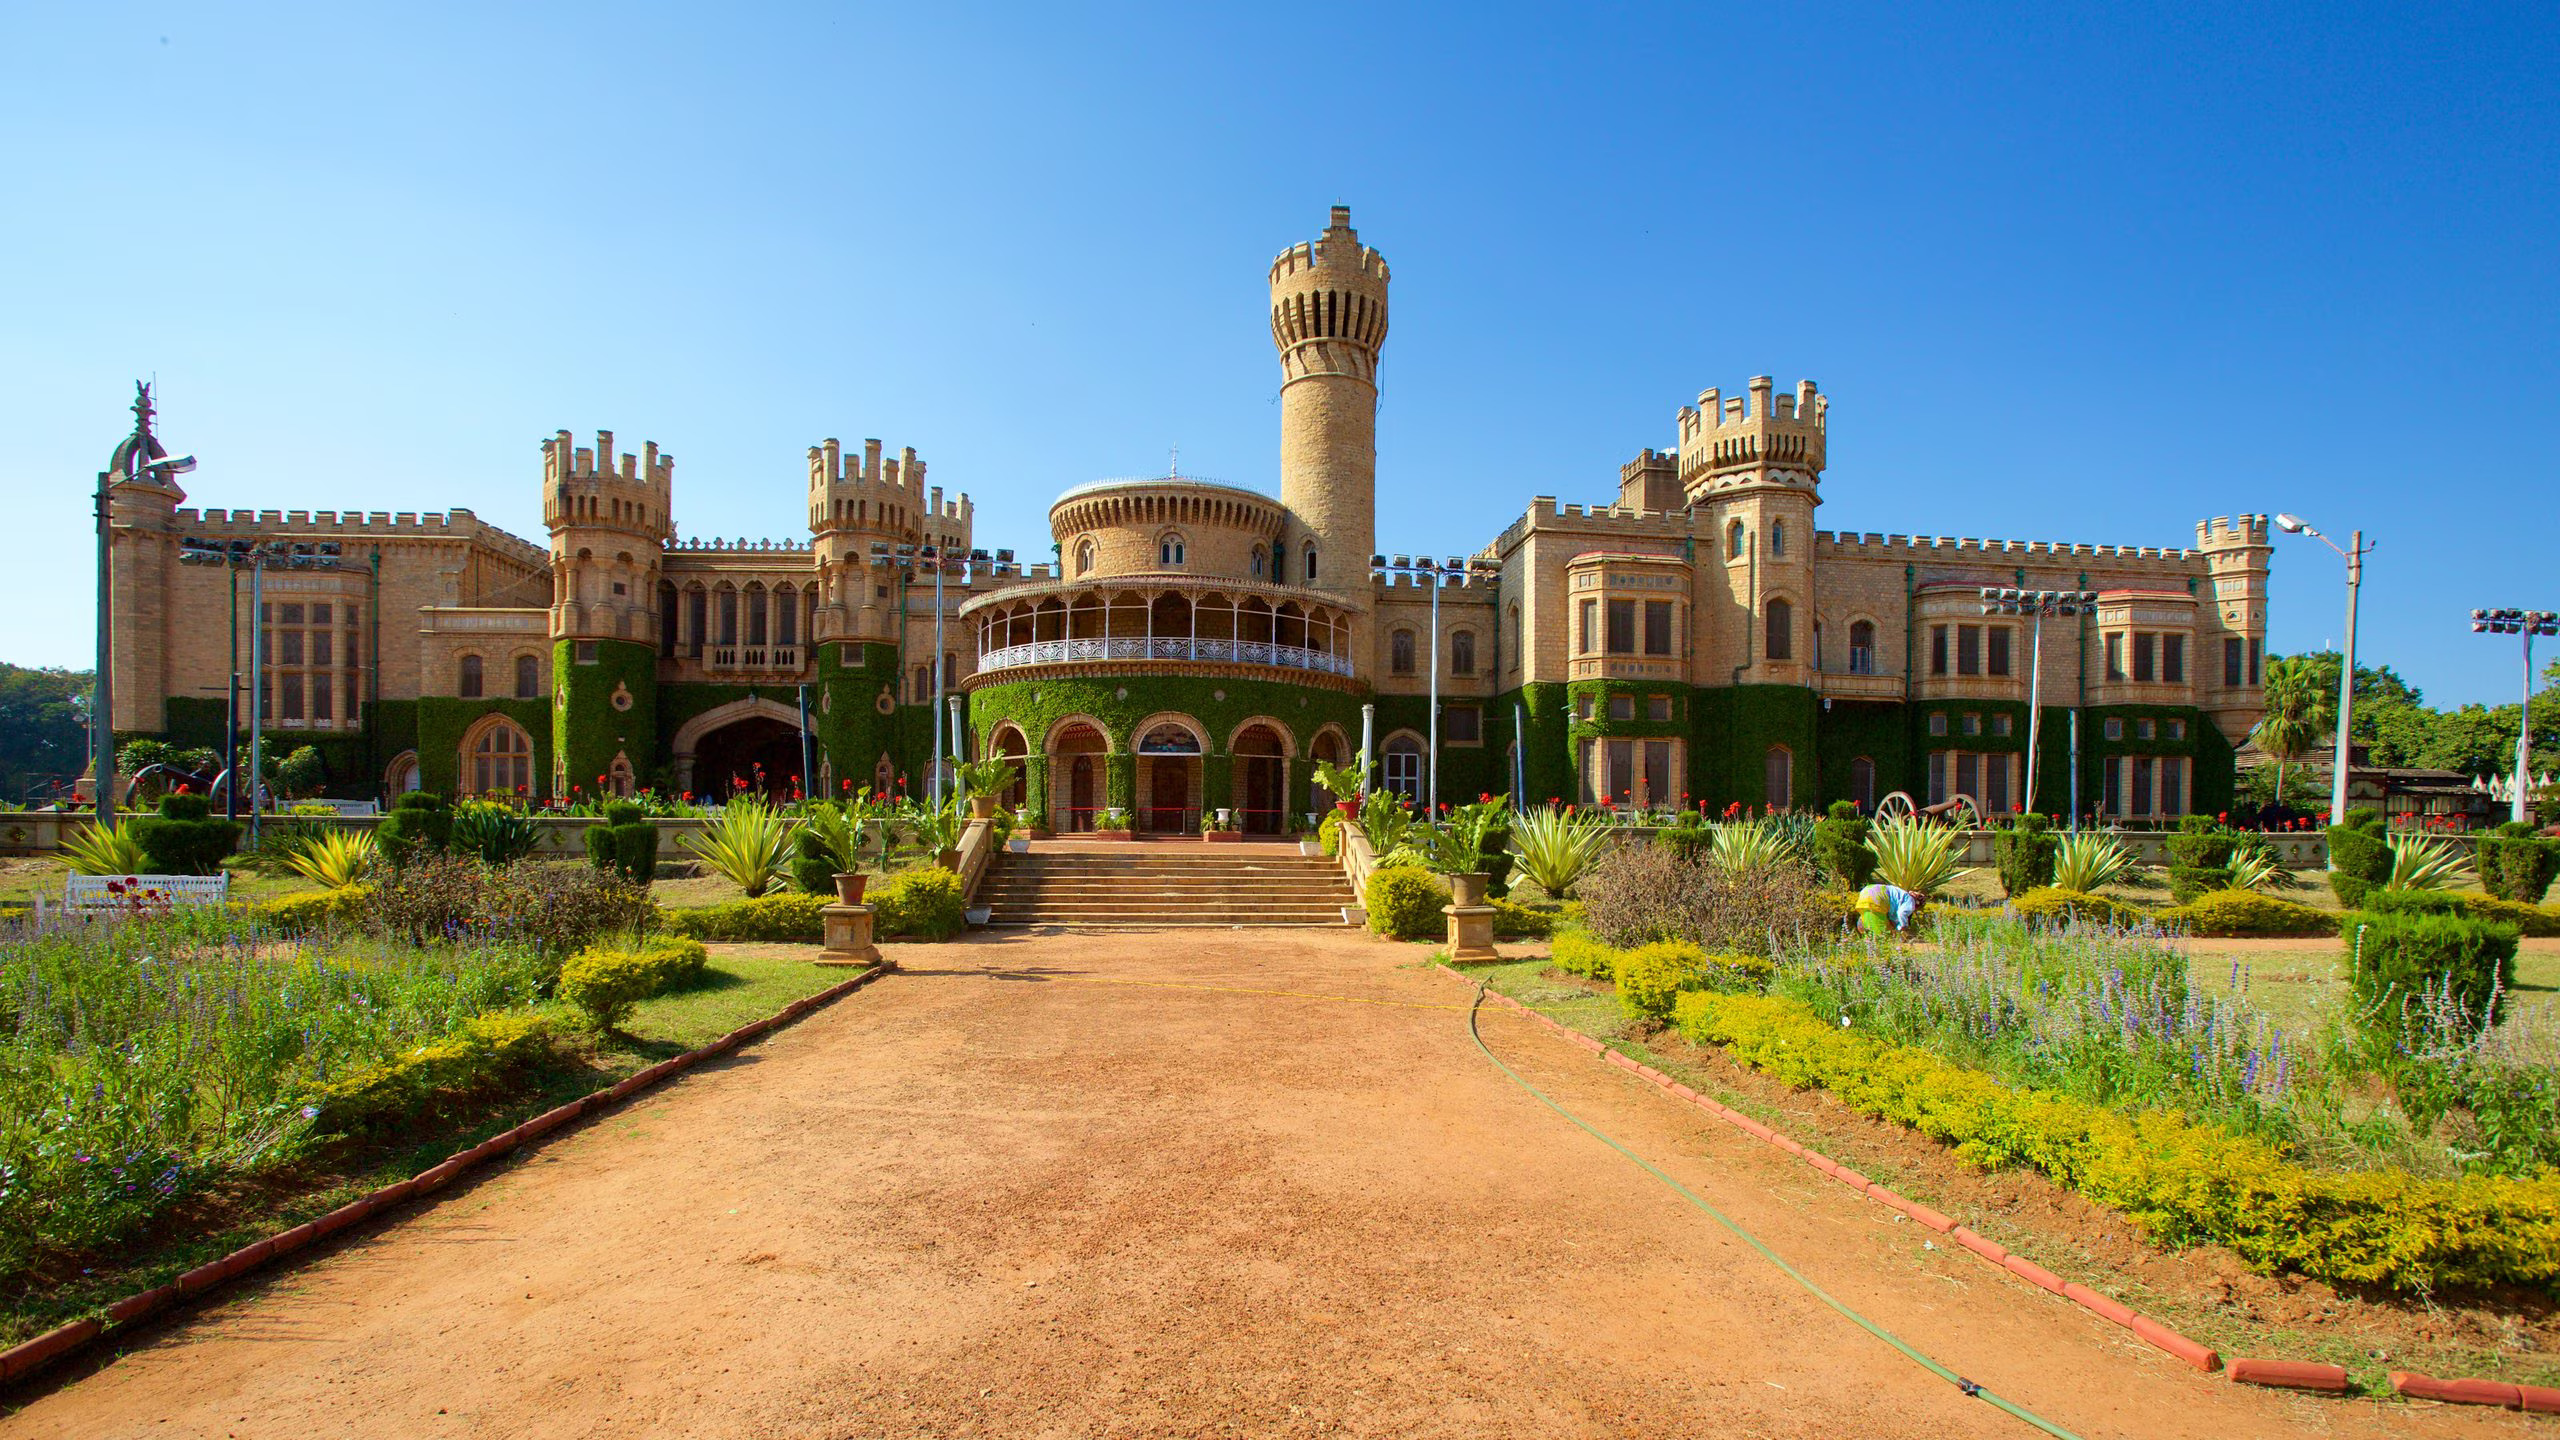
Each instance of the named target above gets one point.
<point>2202,843</point>
<point>920,904</point>
<point>625,844</point>
<point>2187,882</point>
<point>813,869</point>
<point>1688,841</point>
<point>2350,889</point>
<point>2517,864</point>
<point>420,823</point>
<point>1840,847</point>
<point>182,840</point>
<point>2025,854</point>
<point>2360,852</point>
<point>1405,901</point>
<point>2382,900</point>
<point>2397,959</point>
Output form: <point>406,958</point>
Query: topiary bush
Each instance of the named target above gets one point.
<point>767,919</point>
<point>1840,847</point>
<point>813,865</point>
<point>626,844</point>
<point>1405,901</point>
<point>2396,960</point>
<point>2518,864</point>
<point>2025,852</point>
<point>420,823</point>
<point>2359,855</point>
<point>2046,903</point>
<point>314,910</point>
<point>605,982</point>
<point>184,838</point>
<point>2229,913</point>
<point>2202,843</point>
<point>2189,883</point>
<point>920,904</point>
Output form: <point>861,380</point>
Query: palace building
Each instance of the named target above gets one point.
<point>1696,638</point>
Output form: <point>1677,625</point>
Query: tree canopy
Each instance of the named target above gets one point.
<point>44,726</point>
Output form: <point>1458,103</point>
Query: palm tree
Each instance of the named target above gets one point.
<point>2294,720</point>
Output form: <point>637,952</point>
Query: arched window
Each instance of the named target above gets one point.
<point>756,625</point>
<point>528,678</point>
<point>1261,559</point>
<point>728,616</point>
<point>1169,550</point>
<point>1403,766</point>
<point>1309,577</point>
<point>1400,653</point>
<point>1515,637</point>
<point>1862,648</point>
<point>1777,537</point>
<point>923,685</point>
<point>501,760</point>
<point>667,615</point>
<point>786,615</point>
<point>1778,777</point>
<point>1782,630</point>
<point>471,686</point>
<point>950,669</point>
<point>1862,782</point>
<point>1733,541</point>
<point>1084,557</point>
<point>1462,652</point>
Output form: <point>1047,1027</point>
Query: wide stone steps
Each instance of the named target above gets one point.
<point>1163,887</point>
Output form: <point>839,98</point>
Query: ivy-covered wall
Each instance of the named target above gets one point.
<point>442,721</point>
<point>1122,702</point>
<point>1736,726</point>
<point>345,759</point>
<point>587,730</point>
<point>1878,730</point>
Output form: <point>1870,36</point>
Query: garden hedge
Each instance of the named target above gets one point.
<point>920,904</point>
<point>2518,864</point>
<point>2183,1183</point>
<point>2233,912</point>
<point>472,1057</point>
<point>606,981</point>
<point>2050,903</point>
<point>1406,901</point>
<point>2394,957</point>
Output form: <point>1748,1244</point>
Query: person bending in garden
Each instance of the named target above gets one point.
<point>1887,909</point>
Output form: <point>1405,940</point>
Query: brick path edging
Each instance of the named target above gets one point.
<point>2284,1374</point>
<point>25,1360</point>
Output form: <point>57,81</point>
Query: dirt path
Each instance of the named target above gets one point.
<point>1119,1200</point>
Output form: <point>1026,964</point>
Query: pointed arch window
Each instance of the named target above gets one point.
<point>1462,652</point>
<point>472,681</point>
<point>500,760</point>
<point>1309,578</point>
<point>528,678</point>
<point>1400,653</point>
<point>1782,630</point>
<point>1733,541</point>
<point>1170,550</point>
<point>1261,561</point>
<point>1084,557</point>
<point>1777,537</point>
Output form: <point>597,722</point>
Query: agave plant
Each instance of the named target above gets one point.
<point>2418,863</point>
<point>2254,867</point>
<point>1744,847</point>
<point>746,844</point>
<point>493,830</point>
<point>1917,855</point>
<point>115,851</point>
<point>336,858</point>
<point>1556,846</point>
<point>2089,861</point>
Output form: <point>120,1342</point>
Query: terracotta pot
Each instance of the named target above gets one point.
<point>947,859</point>
<point>849,885</point>
<point>1349,808</point>
<point>1468,890</point>
<point>982,807</point>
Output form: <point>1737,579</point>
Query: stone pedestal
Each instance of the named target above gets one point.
<point>848,932</point>
<point>1471,932</point>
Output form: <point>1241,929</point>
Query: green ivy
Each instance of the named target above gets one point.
<point>1035,705</point>
<point>586,729</point>
<point>442,719</point>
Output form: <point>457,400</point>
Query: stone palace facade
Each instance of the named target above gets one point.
<point>1195,646</point>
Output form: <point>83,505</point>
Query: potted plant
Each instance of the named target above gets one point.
<point>985,781</point>
<point>1221,827</point>
<point>1461,847</point>
<point>937,829</point>
<point>1344,783</point>
<point>849,885</point>
<point>1112,824</point>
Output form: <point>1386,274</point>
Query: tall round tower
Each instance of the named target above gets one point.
<point>1329,320</point>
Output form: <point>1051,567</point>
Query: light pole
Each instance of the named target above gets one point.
<point>2354,556</point>
<point>2008,600</point>
<point>2527,623</point>
<point>256,557</point>
<point>141,461</point>
<point>1380,567</point>
<point>970,563</point>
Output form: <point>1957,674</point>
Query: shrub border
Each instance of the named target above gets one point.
<point>130,1313</point>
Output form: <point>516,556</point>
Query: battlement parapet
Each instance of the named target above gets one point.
<point>564,462</point>
<point>2227,532</point>
<point>456,525</point>
<point>1338,249</point>
<point>1759,427</point>
<point>1850,545</point>
<point>830,466</point>
<point>1481,584</point>
<point>696,544</point>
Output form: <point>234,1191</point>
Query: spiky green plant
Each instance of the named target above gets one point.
<point>93,851</point>
<point>1554,847</point>
<point>838,832</point>
<point>987,778</point>
<point>2088,860</point>
<point>1921,856</point>
<point>2418,863</point>
<point>336,858</point>
<point>746,844</point>
<point>2254,867</point>
<point>1745,847</point>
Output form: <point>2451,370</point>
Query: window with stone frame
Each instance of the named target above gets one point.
<point>1657,627</point>
<point>1996,650</point>
<point>1781,624</point>
<point>1968,650</point>
<point>472,683</point>
<point>1461,725</point>
<point>1622,627</point>
<point>1400,652</point>
<point>1462,652</point>
<point>1937,649</point>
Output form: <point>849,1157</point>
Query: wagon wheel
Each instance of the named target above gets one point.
<point>1895,806</point>
<point>1956,810</point>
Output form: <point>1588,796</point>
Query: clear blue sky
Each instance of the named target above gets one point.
<point>2065,275</point>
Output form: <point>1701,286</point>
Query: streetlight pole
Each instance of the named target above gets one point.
<point>2037,604</point>
<point>1431,570</point>
<point>932,557</point>
<point>255,557</point>
<point>2354,556</point>
<point>2527,623</point>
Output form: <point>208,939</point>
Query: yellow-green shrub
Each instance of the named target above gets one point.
<point>2047,902</point>
<point>2246,912</point>
<point>2528,919</point>
<point>1405,901</point>
<point>470,1058</point>
<point>1650,977</point>
<point>920,904</point>
<point>1576,953</point>
<point>313,909</point>
<point>605,981</point>
<point>775,919</point>
<point>2184,1183</point>
<point>1513,921</point>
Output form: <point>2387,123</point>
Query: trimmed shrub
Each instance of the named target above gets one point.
<point>767,919</point>
<point>2517,864</point>
<point>184,839</point>
<point>1686,840</point>
<point>1840,847</point>
<point>1405,902</point>
<point>920,904</point>
<point>626,844</point>
<point>2025,854</point>
<point>2539,921</point>
<point>2350,889</point>
<point>2184,1183</point>
<point>2188,883</point>
<point>2396,960</point>
<point>1329,832</point>
<point>2359,855</point>
<point>1652,978</point>
<point>472,1059</point>
<point>420,823</point>
<point>1515,921</point>
<point>342,908</point>
<point>2202,843</point>
<point>813,865</point>
<point>1576,953</point>
<point>2057,906</point>
<point>605,982</point>
<point>2246,912</point>
<point>2385,900</point>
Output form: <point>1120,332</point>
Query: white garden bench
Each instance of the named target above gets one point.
<point>83,894</point>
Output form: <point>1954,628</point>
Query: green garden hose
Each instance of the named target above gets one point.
<point>1772,1256</point>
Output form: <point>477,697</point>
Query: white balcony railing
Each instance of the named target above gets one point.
<point>1235,652</point>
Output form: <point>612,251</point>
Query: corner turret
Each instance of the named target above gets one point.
<point>1329,322</point>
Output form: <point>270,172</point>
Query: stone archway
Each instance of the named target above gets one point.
<point>763,729</point>
<point>1170,751</point>
<point>1259,757</point>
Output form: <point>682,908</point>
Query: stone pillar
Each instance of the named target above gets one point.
<point>848,936</point>
<point>1470,919</point>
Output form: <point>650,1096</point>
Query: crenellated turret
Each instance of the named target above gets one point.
<point>859,502</point>
<point>609,519</point>
<point>1329,321</point>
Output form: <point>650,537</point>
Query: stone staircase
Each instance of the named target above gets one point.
<point>1141,885</point>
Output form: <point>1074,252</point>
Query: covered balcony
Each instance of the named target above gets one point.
<point>1158,624</point>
